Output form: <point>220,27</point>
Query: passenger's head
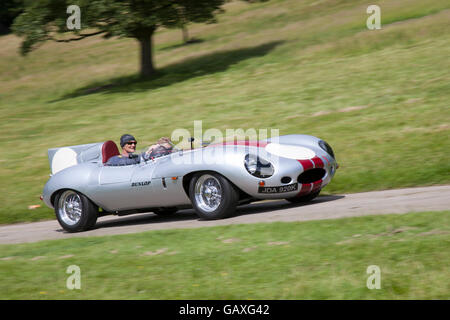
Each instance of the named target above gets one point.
<point>164,141</point>
<point>128,143</point>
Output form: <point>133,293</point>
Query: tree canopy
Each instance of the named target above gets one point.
<point>9,10</point>
<point>44,20</point>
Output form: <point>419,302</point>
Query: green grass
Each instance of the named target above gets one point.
<point>324,259</point>
<point>380,98</point>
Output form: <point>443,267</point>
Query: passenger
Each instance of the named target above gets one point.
<point>162,148</point>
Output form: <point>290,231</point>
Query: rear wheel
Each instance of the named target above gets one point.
<point>305,198</point>
<point>75,212</point>
<point>213,196</point>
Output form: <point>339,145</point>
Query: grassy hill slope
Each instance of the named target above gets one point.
<point>380,98</point>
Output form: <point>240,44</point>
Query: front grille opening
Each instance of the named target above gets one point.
<point>311,175</point>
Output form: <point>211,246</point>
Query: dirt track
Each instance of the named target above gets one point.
<point>324,207</point>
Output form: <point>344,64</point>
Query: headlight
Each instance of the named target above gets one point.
<point>325,146</point>
<point>258,167</point>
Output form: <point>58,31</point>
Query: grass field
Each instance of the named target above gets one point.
<point>325,259</point>
<point>380,98</point>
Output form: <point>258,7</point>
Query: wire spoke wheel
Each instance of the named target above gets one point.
<point>70,207</point>
<point>74,211</point>
<point>208,193</point>
<point>213,196</point>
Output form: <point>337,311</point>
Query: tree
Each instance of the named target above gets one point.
<point>186,14</point>
<point>44,20</point>
<point>183,24</point>
<point>9,10</point>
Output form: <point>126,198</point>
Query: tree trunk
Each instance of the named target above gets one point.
<point>147,68</point>
<point>185,34</point>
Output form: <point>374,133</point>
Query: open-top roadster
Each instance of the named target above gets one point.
<point>213,179</point>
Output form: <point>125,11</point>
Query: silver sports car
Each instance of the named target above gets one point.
<point>213,179</point>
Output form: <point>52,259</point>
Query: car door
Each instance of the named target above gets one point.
<point>125,187</point>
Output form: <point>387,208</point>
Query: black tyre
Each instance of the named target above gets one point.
<point>305,198</point>
<point>74,211</point>
<point>165,211</point>
<point>213,196</point>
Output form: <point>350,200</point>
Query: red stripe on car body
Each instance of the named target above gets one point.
<point>318,163</point>
<point>260,144</point>
<point>307,164</point>
<point>305,189</point>
<point>316,185</point>
<point>246,143</point>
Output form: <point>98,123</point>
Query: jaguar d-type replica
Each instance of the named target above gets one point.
<point>213,179</point>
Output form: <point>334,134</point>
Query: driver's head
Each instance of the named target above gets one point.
<point>128,143</point>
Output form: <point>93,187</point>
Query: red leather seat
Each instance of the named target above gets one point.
<point>109,149</point>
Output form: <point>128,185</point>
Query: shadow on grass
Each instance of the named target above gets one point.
<point>184,70</point>
<point>183,44</point>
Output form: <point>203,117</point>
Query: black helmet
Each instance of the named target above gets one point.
<point>126,138</point>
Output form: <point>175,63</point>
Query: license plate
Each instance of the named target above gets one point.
<point>278,189</point>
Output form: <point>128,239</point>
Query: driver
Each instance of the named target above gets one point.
<point>128,144</point>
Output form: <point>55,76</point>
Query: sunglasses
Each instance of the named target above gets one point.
<point>132,142</point>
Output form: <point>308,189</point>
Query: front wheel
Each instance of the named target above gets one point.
<point>305,198</point>
<point>213,196</point>
<point>75,212</point>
